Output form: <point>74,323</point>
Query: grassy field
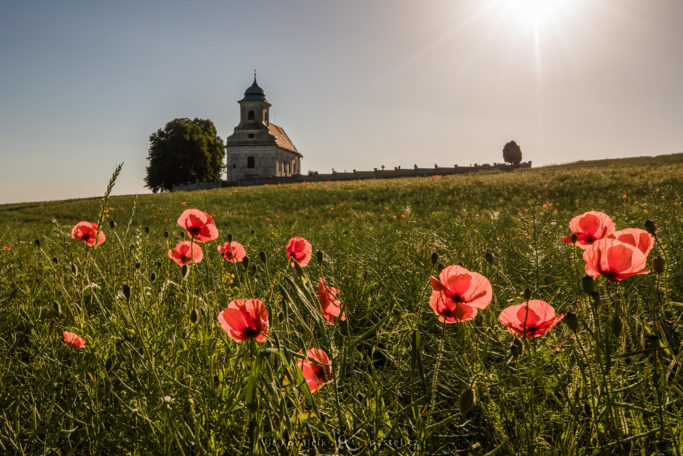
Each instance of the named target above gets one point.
<point>158,374</point>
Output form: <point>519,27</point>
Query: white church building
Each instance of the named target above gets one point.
<point>258,148</point>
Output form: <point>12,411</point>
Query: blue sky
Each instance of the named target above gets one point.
<point>355,83</point>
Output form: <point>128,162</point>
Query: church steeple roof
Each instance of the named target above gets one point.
<point>254,92</point>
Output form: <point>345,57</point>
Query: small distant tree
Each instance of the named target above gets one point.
<point>512,153</point>
<point>184,151</point>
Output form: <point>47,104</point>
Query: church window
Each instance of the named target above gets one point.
<point>250,162</point>
<point>251,115</point>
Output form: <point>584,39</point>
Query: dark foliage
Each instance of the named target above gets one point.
<point>184,151</point>
<point>512,153</point>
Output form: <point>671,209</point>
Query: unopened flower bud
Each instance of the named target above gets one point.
<point>245,262</point>
<point>572,321</point>
<point>319,256</point>
<point>527,294</point>
<point>466,400</point>
<point>489,257</point>
<point>658,264</point>
<point>651,227</point>
<point>112,224</point>
<point>262,256</point>
<point>435,258</point>
<point>230,237</point>
<point>616,326</point>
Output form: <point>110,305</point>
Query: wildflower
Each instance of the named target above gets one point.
<point>185,253</point>
<point>637,238</point>
<point>614,259</point>
<point>86,232</point>
<point>199,225</point>
<point>531,319</point>
<point>327,296</point>
<point>245,319</point>
<point>458,294</point>
<point>74,339</point>
<point>6,248</point>
<point>232,251</point>
<point>299,250</point>
<point>589,227</point>
<point>317,373</point>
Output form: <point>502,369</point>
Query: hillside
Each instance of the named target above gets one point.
<point>159,374</point>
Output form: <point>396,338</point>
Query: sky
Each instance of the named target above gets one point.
<point>356,84</point>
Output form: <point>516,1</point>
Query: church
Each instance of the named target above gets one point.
<point>258,148</point>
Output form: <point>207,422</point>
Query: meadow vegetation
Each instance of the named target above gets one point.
<point>159,375</point>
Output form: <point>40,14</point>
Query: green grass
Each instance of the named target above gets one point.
<point>159,375</point>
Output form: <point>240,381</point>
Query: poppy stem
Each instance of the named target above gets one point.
<point>435,378</point>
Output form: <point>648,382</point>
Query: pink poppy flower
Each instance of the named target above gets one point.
<point>458,294</point>
<point>232,251</point>
<point>327,297</point>
<point>74,339</point>
<point>245,319</point>
<point>614,259</point>
<point>185,253</point>
<point>299,250</point>
<point>531,319</point>
<point>636,237</point>
<point>315,374</point>
<point>589,227</point>
<point>86,231</point>
<point>199,225</point>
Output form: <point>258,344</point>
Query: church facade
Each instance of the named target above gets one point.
<point>258,148</point>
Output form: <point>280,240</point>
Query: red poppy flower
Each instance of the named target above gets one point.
<point>458,294</point>
<point>6,248</point>
<point>199,225</point>
<point>232,251</point>
<point>86,231</point>
<point>327,296</point>
<point>74,339</point>
<point>245,319</point>
<point>299,250</point>
<point>637,238</point>
<point>589,227</point>
<point>315,374</point>
<point>185,253</point>
<point>614,259</point>
<point>531,319</point>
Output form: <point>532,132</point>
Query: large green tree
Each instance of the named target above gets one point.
<point>512,153</point>
<point>184,151</point>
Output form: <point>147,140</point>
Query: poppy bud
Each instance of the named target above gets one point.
<point>126,291</point>
<point>516,348</point>
<point>184,271</point>
<point>55,260</point>
<point>588,284</point>
<point>572,321</point>
<point>230,237</point>
<point>245,262</point>
<point>112,224</point>
<point>527,294</point>
<point>147,229</point>
<point>158,264</point>
<point>489,257</point>
<point>137,265</point>
<point>435,258</point>
<point>109,363</point>
<point>193,316</point>
<point>152,277</point>
<point>574,238</point>
<point>181,234</point>
<point>262,256</point>
<point>658,264</point>
<point>651,227</point>
<point>37,242</point>
<point>252,232</point>
<point>319,256</point>
<point>616,326</point>
<point>165,234</point>
<point>466,400</point>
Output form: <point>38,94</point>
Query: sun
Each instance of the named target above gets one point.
<point>534,15</point>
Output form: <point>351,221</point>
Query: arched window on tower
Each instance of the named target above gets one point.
<point>250,116</point>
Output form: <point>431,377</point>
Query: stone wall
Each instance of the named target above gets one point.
<point>356,175</point>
